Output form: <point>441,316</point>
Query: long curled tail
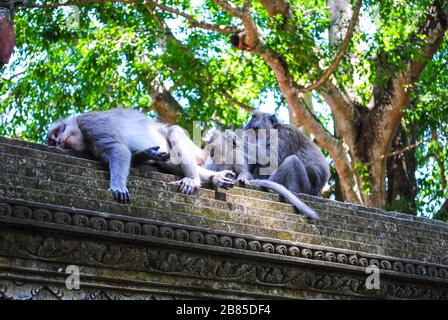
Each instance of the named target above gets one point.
<point>288,195</point>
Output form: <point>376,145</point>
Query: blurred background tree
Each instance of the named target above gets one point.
<point>367,80</point>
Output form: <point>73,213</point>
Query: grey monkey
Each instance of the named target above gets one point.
<point>226,151</point>
<point>119,136</point>
<point>302,168</point>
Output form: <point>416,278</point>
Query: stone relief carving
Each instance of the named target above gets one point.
<point>164,261</point>
<point>10,290</point>
<point>186,235</point>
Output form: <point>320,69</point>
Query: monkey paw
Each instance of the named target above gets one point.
<point>243,181</point>
<point>122,195</point>
<point>154,154</point>
<point>187,185</point>
<point>224,179</point>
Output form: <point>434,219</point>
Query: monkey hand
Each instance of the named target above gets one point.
<point>244,178</point>
<point>224,179</point>
<point>155,155</point>
<point>121,194</point>
<point>187,185</point>
<point>243,181</point>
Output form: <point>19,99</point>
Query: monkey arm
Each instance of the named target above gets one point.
<point>118,157</point>
<point>217,178</point>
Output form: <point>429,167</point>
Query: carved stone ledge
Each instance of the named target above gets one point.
<point>23,213</point>
<point>14,289</point>
<point>190,271</point>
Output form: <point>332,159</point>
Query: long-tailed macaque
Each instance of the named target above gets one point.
<point>301,166</point>
<point>120,135</point>
<point>227,151</point>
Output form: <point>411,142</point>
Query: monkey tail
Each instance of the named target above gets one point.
<point>288,195</point>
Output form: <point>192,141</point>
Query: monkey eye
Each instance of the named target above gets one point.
<point>212,153</point>
<point>59,131</point>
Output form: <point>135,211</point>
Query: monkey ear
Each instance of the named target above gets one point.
<point>274,119</point>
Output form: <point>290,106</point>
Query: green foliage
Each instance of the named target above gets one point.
<point>430,117</point>
<point>109,62</point>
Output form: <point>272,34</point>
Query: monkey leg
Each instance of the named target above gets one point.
<point>151,154</point>
<point>183,158</point>
<point>318,179</point>
<point>293,175</point>
<point>119,158</point>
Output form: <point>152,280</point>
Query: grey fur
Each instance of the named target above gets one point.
<point>288,195</point>
<point>216,161</point>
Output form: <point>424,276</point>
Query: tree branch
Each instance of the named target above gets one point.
<point>443,211</point>
<point>252,37</point>
<point>344,114</point>
<point>167,108</point>
<point>71,3</point>
<point>337,59</point>
<point>249,38</point>
<point>230,8</point>
<point>395,153</point>
<point>235,101</point>
<point>277,7</point>
<point>192,21</point>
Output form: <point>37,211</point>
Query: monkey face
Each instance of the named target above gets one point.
<point>261,120</point>
<point>66,135</point>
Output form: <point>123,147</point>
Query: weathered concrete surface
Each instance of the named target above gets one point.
<point>55,211</point>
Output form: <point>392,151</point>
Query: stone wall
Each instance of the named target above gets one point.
<point>55,211</point>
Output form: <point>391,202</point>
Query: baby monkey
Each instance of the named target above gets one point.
<point>119,136</point>
<point>227,151</point>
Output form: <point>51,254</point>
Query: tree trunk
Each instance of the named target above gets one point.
<point>401,182</point>
<point>442,214</point>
